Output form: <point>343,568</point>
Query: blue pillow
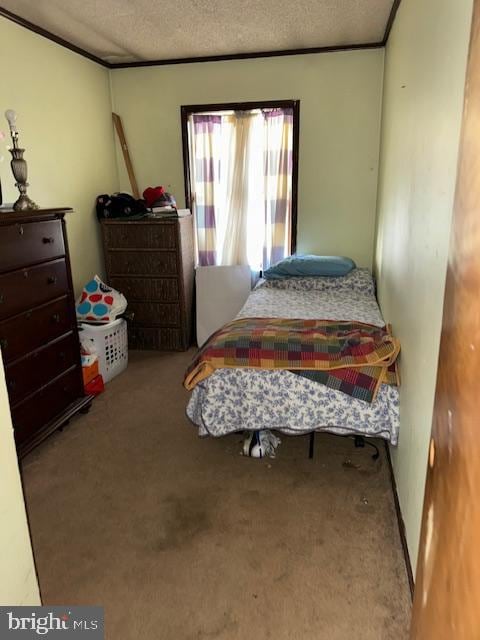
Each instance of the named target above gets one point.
<point>307,266</point>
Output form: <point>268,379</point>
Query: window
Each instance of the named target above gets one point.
<point>241,173</point>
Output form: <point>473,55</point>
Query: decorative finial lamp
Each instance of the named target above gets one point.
<point>19,166</point>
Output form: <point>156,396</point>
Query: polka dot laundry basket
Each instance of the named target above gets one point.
<point>110,343</point>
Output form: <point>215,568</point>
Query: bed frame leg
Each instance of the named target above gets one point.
<point>361,442</point>
<point>311,445</point>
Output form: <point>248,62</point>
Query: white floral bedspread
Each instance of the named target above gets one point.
<point>248,399</point>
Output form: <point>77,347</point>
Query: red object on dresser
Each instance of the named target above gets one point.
<point>38,329</point>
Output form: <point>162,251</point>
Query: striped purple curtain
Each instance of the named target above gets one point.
<point>278,184</point>
<point>205,170</point>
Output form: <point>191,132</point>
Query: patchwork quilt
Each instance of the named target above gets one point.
<point>352,357</point>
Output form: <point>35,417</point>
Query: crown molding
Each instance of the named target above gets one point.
<point>13,17</point>
<point>245,56</point>
<point>391,20</point>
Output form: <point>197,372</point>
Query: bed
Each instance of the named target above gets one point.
<point>241,399</point>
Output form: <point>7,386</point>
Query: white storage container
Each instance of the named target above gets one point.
<point>111,345</point>
<point>221,293</point>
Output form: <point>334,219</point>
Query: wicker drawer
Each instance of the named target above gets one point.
<point>30,330</point>
<point>34,371</point>
<point>37,410</point>
<point>163,289</point>
<point>162,263</point>
<point>154,338</point>
<point>26,288</point>
<point>155,313</point>
<point>151,263</point>
<point>147,236</point>
<point>31,242</point>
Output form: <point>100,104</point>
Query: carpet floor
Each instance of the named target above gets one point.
<point>181,538</point>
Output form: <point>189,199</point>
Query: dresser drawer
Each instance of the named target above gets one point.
<point>155,338</point>
<point>30,330</point>
<point>37,369</point>
<point>34,413</point>
<point>30,242</point>
<point>155,313</point>
<point>163,289</point>
<point>142,235</point>
<point>27,288</point>
<point>163,263</point>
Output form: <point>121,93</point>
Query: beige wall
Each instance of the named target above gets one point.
<point>64,118</point>
<point>424,81</point>
<point>340,96</point>
<point>18,580</point>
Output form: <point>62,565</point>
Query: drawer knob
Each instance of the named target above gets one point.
<point>1,298</point>
<point>3,343</point>
<point>48,240</point>
<point>61,355</point>
<point>12,384</point>
<point>52,279</point>
<point>56,317</point>
<point>21,230</point>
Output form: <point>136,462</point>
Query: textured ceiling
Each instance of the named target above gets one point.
<point>136,30</point>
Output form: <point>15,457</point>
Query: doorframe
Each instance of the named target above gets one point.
<point>187,110</point>
<point>447,586</point>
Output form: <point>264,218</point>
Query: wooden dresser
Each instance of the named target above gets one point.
<point>38,332</point>
<point>151,263</point>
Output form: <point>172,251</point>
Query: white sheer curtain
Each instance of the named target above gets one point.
<point>235,245</point>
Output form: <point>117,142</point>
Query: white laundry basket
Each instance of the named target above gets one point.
<point>111,345</point>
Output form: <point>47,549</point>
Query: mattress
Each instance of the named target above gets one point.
<point>248,399</point>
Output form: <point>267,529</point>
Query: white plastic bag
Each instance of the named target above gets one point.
<point>99,303</point>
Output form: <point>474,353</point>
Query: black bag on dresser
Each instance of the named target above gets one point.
<point>118,205</point>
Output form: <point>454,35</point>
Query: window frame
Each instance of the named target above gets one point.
<point>187,110</point>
